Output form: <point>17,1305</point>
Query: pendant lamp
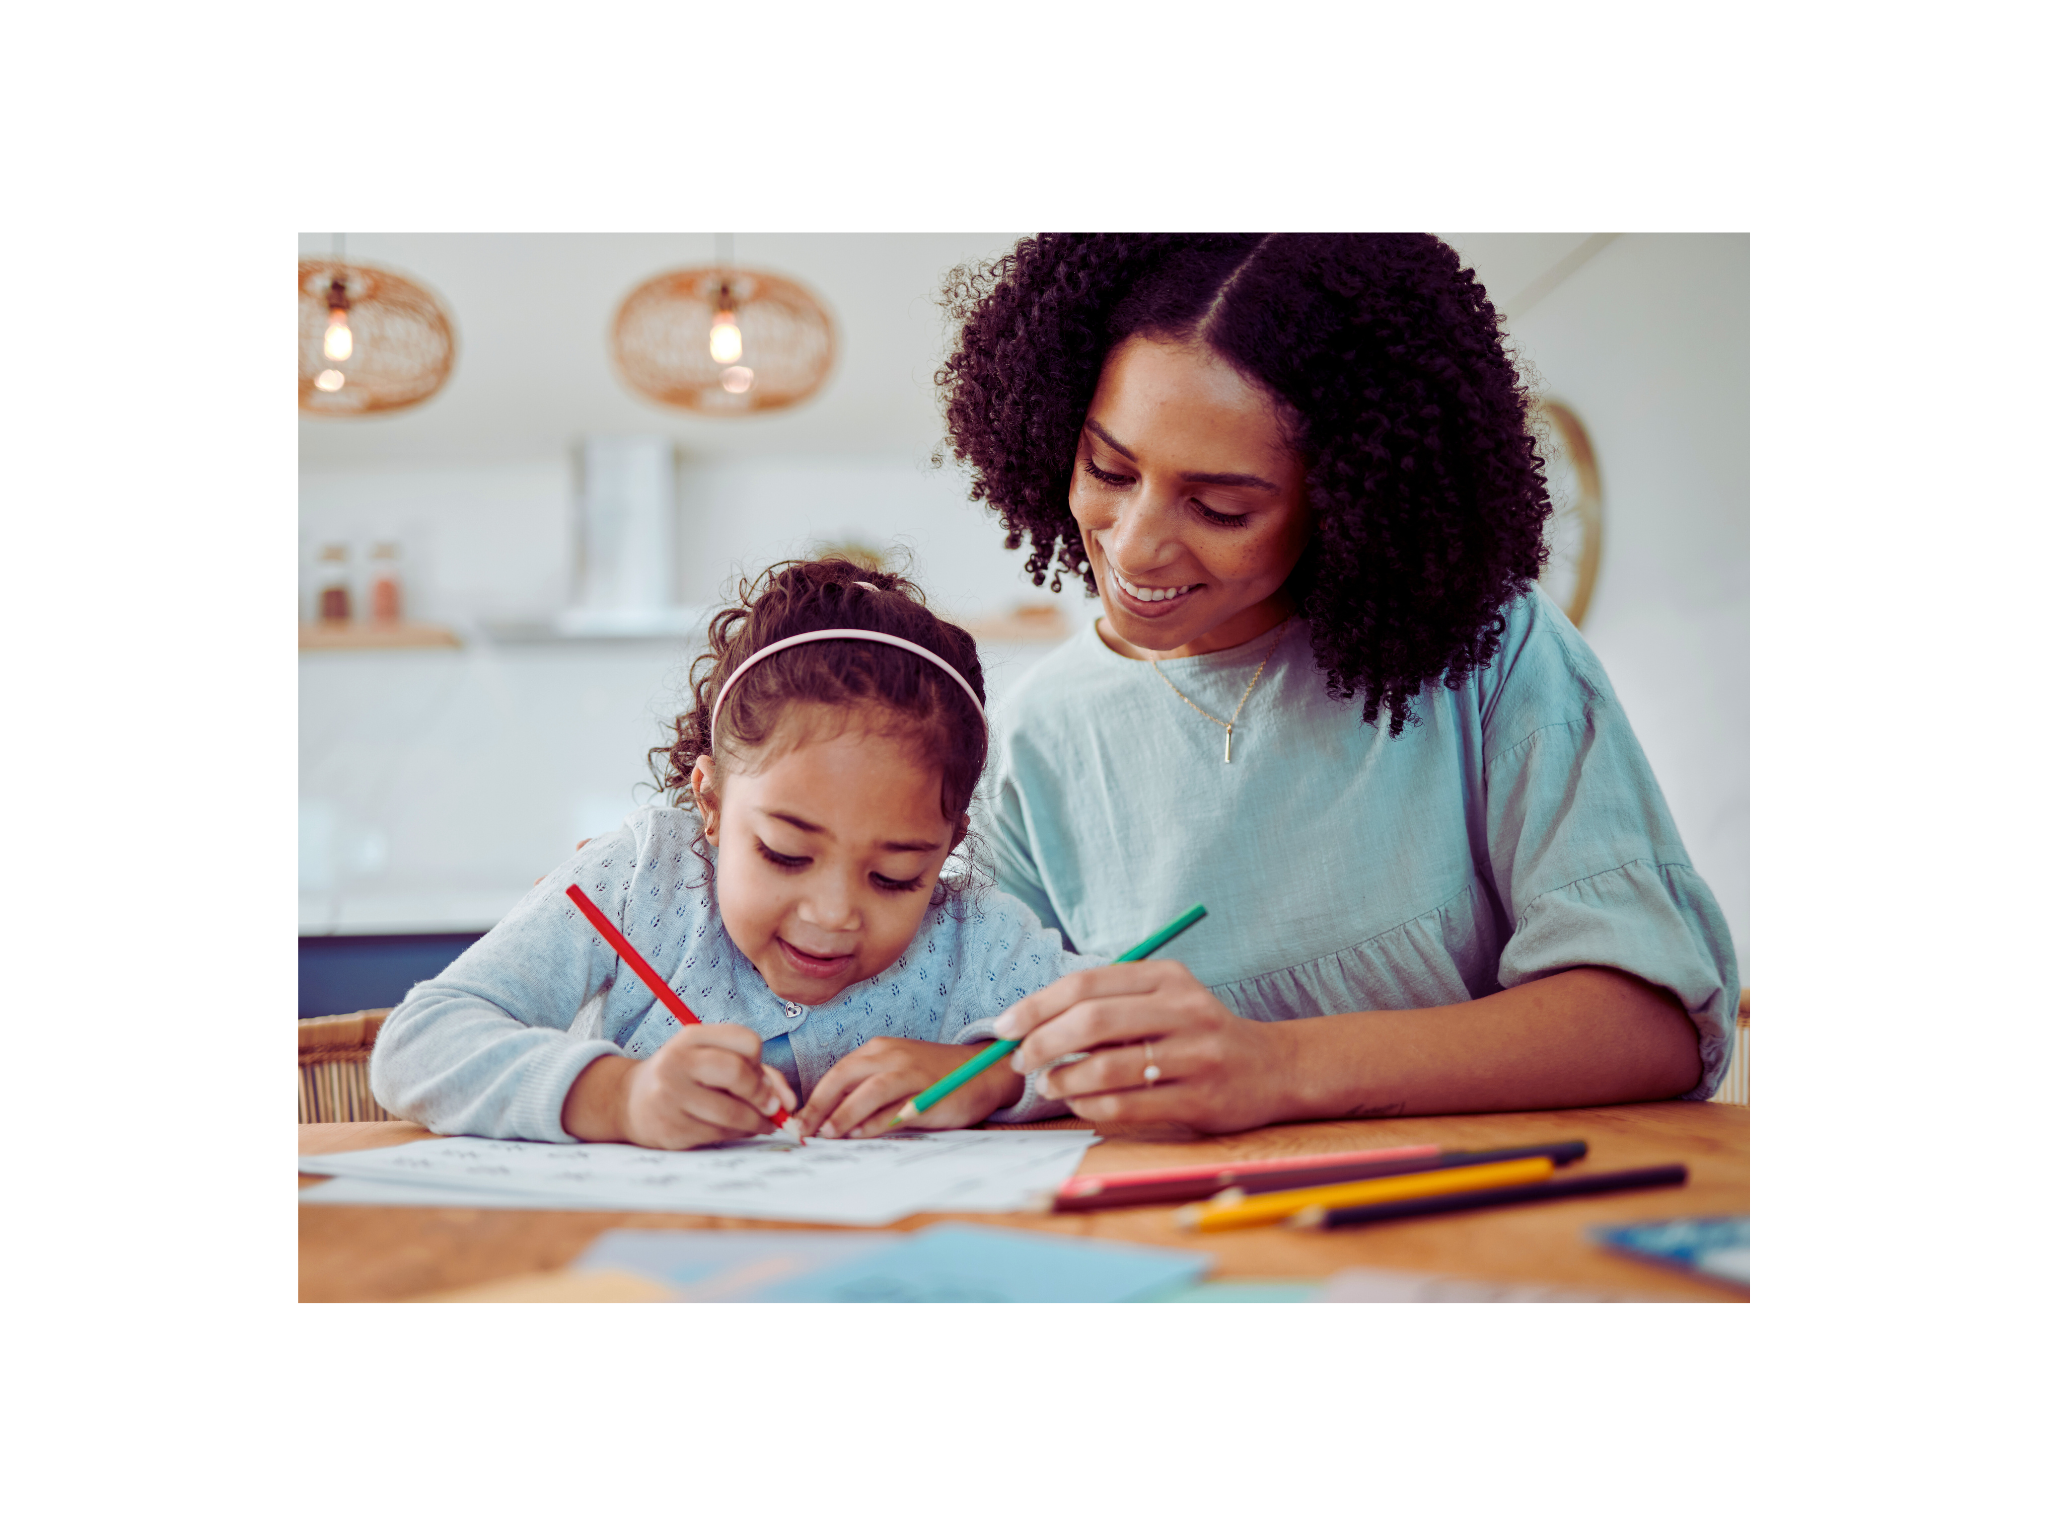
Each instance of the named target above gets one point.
<point>722,341</point>
<point>369,339</point>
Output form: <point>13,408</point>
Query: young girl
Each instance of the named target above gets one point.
<point>793,893</point>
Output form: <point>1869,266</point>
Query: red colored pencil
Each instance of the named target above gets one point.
<point>644,971</point>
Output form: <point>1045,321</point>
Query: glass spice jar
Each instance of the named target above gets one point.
<point>335,607</point>
<point>387,596</point>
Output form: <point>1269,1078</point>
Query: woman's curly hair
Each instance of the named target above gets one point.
<point>896,692</point>
<point>1426,499</point>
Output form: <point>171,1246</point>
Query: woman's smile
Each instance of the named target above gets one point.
<point>1149,601</point>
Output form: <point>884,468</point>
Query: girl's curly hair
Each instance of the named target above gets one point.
<point>1426,499</point>
<point>897,693</point>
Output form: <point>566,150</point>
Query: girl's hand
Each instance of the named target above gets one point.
<point>863,1091</point>
<point>706,1084</point>
<point>1217,1072</point>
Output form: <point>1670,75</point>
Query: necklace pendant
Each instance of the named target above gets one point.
<point>1226,741</point>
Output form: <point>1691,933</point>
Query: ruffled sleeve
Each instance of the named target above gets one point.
<point>1656,921</point>
<point>1586,860</point>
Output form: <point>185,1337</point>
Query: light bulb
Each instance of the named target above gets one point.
<point>329,379</point>
<point>736,381</point>
<point>725,338</point>
<point>340,340</point>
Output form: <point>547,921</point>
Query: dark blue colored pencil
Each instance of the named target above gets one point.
<point>1514,1194</point>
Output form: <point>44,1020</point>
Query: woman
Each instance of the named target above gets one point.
<point>1325,699</point>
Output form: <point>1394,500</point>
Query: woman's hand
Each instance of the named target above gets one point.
<point>863,1091</point>
<point>1583,1036</point>
<point>1216,1071</point>
<point>706,1084</point>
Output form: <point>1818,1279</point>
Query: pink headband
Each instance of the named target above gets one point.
<point>873,635</point>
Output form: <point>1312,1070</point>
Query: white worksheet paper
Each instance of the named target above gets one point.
<point>852,1183</point>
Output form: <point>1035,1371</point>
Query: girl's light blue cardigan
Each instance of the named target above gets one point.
<point>491,1046</point>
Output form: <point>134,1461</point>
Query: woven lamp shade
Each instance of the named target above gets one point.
<point>661,341</point>
<point>403,348</point>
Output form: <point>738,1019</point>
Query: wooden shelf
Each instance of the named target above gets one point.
<point>374,637</point>
<point>1040,622</point>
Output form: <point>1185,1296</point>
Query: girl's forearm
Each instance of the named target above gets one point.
<point>1584,1036</point>
<point>595,1109</point>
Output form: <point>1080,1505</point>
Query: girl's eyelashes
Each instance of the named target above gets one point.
<point>1089,465</point>
<point>798,861</point>
<point>780,860</point>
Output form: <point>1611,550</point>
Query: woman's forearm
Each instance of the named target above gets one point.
<point>1585,1036</point>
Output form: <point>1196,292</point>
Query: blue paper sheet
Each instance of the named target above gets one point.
<point>1715,1248</point>
<point>961,1261</point>
<point>724,1266</point>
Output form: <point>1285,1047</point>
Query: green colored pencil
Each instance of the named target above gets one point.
<point>998,1049</point>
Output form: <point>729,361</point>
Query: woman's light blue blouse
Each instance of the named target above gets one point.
<point>1513,830</point>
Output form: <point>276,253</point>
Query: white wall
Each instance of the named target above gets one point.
<point>478,541</point>
<point>741,516</point>
<point>495,542</point>
<point>1649,343</point>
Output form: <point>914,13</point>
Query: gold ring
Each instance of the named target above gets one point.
<point>1151,1066</point>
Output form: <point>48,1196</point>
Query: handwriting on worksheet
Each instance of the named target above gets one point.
<point>854,1182</point>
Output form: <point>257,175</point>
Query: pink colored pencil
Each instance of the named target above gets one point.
<point>1097,1183</point>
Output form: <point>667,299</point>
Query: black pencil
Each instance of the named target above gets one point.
<point>1171,1190</point>
<point>1513,1194</point>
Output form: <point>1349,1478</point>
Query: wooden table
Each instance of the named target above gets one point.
<point>388,1253</point>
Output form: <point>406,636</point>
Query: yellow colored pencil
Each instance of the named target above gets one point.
<point>1224,1214</point>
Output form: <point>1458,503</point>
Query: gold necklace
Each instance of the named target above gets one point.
<point>1230,725</point>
